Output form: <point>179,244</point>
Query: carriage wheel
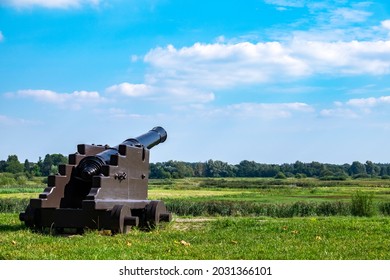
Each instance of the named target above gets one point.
<point>122,220</point>
<point>156,212</point>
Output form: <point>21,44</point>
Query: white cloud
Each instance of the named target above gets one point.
<point>164,90</point>
<point>348,15</point>
<point>369,102</point>
<point>72,100</point>
<point>225,65</point>
<point>1,36</point>
<point>132,90</point>
<point>358,107</point>
<point>192,74</point>
<point>386,24</point>
<point>218,66</point>
<point>350,58</point>
<point>51,4</point>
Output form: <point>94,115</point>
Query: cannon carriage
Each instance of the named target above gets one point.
<point>101,187</point>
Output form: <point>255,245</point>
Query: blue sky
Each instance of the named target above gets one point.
<point>273,81</point>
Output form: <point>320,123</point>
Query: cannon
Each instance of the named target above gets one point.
<point>101,187</point>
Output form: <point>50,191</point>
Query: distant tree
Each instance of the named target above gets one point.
<point>371,168</point>
<point>326,173</point>
<point>199,169</point>
<point>46,165</point>
<point>299,167</point>
<point>247,168</point>
<point>35,170</point>
<point>357,168</point>
<point>280,175</point>
<point>27,166</point>
<point>3,164</point>
<point>384,170</point>
<point>218,168</point>
<point>13,165</point>
<point>157,171</point>
<point>50,163</point>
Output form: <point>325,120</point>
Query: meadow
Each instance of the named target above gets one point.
<point>231,218</point>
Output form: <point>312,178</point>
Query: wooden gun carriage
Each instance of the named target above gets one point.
<point>100,188</point>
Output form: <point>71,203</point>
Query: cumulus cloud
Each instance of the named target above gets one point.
<point>369,102</point>
<point>224,65</point>
<point>386,24</point>
<point>345,58</point>
<point>74,100</point>
<point>194,73</point>
<point>217,66</point>
<point>358,107</point>
<point>132,90</point>
<point>52,4</point>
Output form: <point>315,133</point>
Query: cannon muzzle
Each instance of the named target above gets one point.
<point>91,166</point>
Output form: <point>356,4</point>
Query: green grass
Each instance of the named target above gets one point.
<point>225,220</point>
<point>218,238</point>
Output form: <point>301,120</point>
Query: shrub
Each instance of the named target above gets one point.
<point>7,179</point>
<point>362,205</point>
<point>280,175</point>
<point>384,208</point>
<point>13,205</point>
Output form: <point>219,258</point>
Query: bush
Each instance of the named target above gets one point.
<point>384,208</point>
<point>280,175</point>
<point>13,205</point>
<point>362,205</point>
<point>7,179</point>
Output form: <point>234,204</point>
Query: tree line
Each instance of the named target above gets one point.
<point>45,167</point>
<point>217,168</point>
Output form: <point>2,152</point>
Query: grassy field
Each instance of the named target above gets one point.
<point>223,219</point>
<point>214,238</point>
<point>259,190</point>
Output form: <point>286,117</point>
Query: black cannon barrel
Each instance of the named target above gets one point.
<point>91,165</point>
<point>150,139</point>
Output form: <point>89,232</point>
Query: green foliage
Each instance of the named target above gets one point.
<point>218,169</point>
<point>50,163</point>
<point>384,208</point>
<point>7,179</point>
<point>13,165</point>
<point>280,175</point>
<point>357,168</point>
<point>362,204</point>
